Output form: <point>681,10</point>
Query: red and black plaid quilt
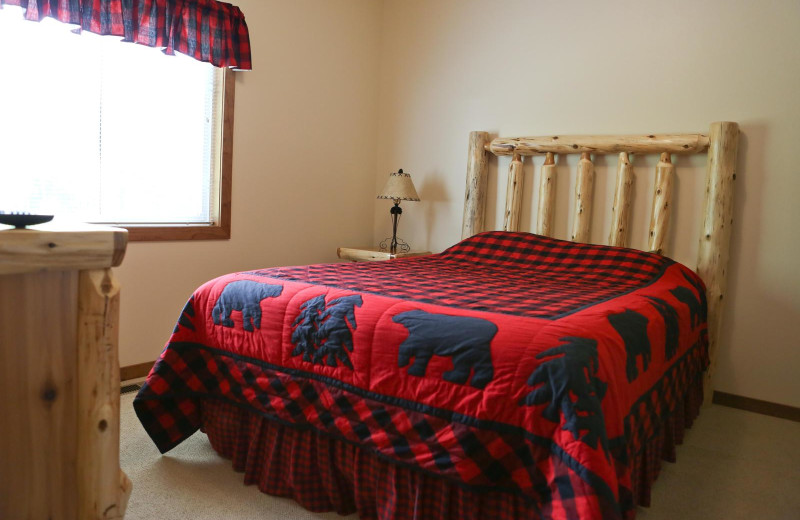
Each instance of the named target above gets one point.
<point>508,362</point>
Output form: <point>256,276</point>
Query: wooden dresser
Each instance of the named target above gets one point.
<point>59,373</point>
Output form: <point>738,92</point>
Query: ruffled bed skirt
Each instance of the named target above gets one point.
<point>326,474</point>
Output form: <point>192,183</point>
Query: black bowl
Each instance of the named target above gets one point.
<point>20,221</point>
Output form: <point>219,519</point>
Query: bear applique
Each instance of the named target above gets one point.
<point>244,296</point>
<point>465,339</point>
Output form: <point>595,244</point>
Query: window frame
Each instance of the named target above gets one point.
<point>220,228</point>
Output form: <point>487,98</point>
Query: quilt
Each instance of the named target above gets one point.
<point>510,362</point>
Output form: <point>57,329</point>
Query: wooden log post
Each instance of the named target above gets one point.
<point>712,257</point>
<point>547,193</point>
<point>103,488</point>
<point>475,196</point>
<point>583,199</point>
<point>662,198</point>
<point>620,211</point>
<point>513,195</point>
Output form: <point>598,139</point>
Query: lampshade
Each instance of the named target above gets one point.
<point>399,187</point>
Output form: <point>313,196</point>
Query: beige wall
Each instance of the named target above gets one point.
<point>522,67</point>
<point>304,159</point>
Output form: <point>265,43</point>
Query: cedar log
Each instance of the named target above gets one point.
<point>662,198</point>
<point>602,144</point>
<point>103,488</point>
<point>712,257</point>
<point>547,193</point>
<point>583,199</point>
<point>513,195</point>
<point>620,211</point>
<point>477,173</point>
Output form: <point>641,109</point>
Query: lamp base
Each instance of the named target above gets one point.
<point>399,245</point>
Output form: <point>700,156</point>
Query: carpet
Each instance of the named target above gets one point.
<point>192,481</point>
<point>733,465</point>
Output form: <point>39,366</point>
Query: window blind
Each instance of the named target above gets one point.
<point>101,132</point>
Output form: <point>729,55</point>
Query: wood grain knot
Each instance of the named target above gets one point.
<point>102,425</point>
<point>51,245</point>
<point>49,394</point>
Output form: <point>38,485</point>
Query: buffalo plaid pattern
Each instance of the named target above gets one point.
<point>656,423</point>
<point>493,457</point>
<point>511,273</point>
<point>207,30</point>
<point>323,473</point>
<point>643,422</point>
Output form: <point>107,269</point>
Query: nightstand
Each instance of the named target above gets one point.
<point>59,373</point>
<point>373,255</point>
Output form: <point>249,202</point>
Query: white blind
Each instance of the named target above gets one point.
<point>101,131</point>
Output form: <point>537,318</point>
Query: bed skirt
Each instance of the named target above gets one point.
<point>327,474</point>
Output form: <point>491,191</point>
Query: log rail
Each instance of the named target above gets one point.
<point>721,142</point>
<point>602,144</point>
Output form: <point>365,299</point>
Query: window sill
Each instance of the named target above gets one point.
<point>174,233</point>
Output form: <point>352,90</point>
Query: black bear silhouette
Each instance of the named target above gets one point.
<point>321,332</point>
<point>186,316</point>
<point>244,296</point>
<point>671,325</point>
<point>466,339</point>
<point>697,304</point>
<point>632,327</point>
<point>570,369</point>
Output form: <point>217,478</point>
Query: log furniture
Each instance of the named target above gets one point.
<point>59,373</point>
<point>366,254</point>
<point>715,233</point>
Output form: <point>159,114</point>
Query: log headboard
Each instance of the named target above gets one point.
<point>715,233</point>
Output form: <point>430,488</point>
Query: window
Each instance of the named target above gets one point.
<point>96,130</point>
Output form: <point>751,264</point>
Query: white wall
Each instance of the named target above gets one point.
<point>517,67</point>
<point>304,140</point>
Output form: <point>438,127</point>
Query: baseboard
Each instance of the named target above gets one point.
<point>135,371</point>
<point>758,406</point>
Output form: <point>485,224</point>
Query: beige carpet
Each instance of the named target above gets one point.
<point>733,465</point>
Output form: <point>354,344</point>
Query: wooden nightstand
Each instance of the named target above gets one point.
<point>373,255</point>
<point>59,373</point>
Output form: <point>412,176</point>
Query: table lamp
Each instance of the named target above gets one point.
<point>398,187</point>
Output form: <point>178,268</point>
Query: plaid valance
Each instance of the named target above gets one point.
<point>207,30</point>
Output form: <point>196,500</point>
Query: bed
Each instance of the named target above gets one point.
<point>514,375</point>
